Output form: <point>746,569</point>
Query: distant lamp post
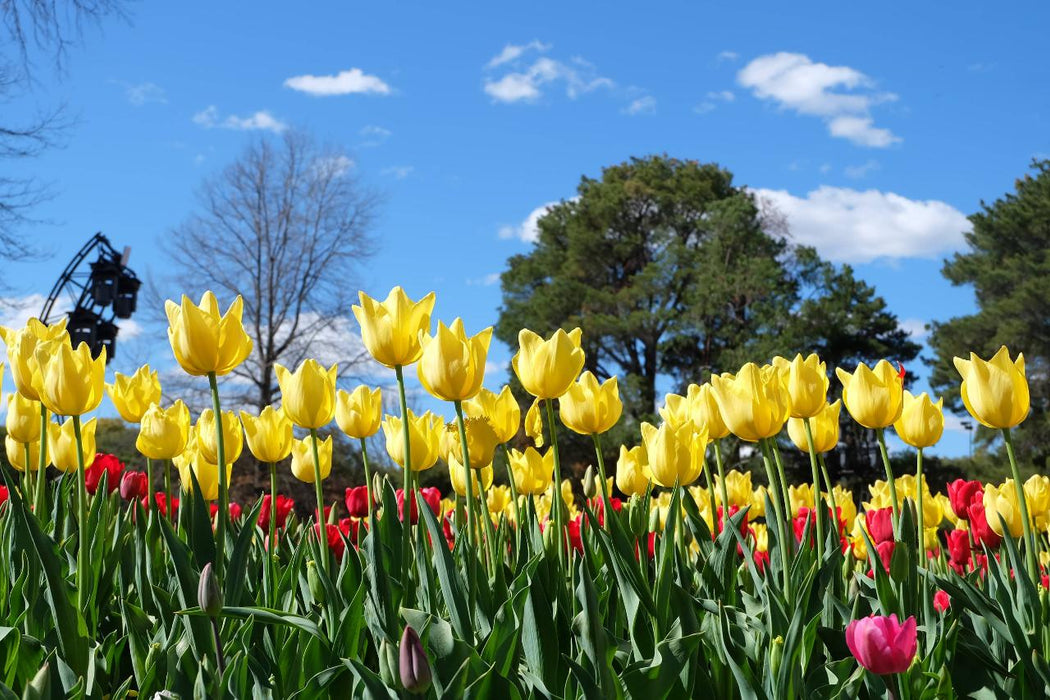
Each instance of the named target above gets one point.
<point>968,426</point>
<point>107,290</point>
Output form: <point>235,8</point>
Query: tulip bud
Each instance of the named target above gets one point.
<point>377,488</point>
<point>412,663</point>
<point>776,655</point>
<point>314,581</point>
<point>654,520</point>
<point>388,663</point>
<point>208,595</point>
<point>40,686</point>
<point>590,488</point>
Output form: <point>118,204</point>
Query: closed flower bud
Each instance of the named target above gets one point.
<point>378,483</point>
<point>589,408</point>
<point>133,395</point>
<point>208,441</point>
<point>163,433</point>
<point>675,456</point>
<point>501,409</point>
<point>313,581</point>
<point>534,423</point>
<point>269,434</point>
<point>452,366</point>
<point>546,368</point>
<point>202,340</point>
<point>825,428</point>
<point>1037,494</point>
<point>874,397</point>
<point>413,666</point>
<point>481,442</point>
<point>1001,505</point>
<point>632,471</point>
<point>806,381</point>
<point>208,595</point>
<point>532,471</point>
<point>21,352</point>
<point>16,454</point>
<point>704,411</point>
<point>134,486</point>
<point>995,392</point>
<point>360,412</point>
<point>308,393</point>
<point>303,459</point>
<point>424,440</point>
<point>390,329</point>
<point>881,644</point>
<point>921,422</point>
<point>590,487</point>
<point>71,381</point>
<point>23,418</point>
<point>62,444</point>
<point>738,488</point>
<point>753,403</point>
<point>675,411</point>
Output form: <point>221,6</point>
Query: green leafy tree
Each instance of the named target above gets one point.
<point>1008,267</point>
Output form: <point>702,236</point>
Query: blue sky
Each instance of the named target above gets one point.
<point>875,130</point>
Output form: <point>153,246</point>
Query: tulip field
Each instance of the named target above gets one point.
<point>664,575</point>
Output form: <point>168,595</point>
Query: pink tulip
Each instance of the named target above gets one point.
<point>882,644</point>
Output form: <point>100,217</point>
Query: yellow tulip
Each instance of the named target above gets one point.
<point>1001,502</point>
<point>424,440</point>
<point>546,368</point>
<point>1037,495</point>
<point>800,496</point>
<point>206,472</point>
<point>303,458</point>
<point>532,471</point>
<point>874,397</point>
<point>738,488</point>
<point>754,403</point>
<point>761,536</point>
<point>202,340</point>
<point>23,418</point>
<point>843,500</point>
<point>207,440</point>
<point>857,541</point>
<point>21,352</point>
<point>675,456</point>
<point>825,428</point>
<point>675,411</point>
<point>534,423</point>
<point>16,454</point>
<point>704,412</point>
<point>308,393</point>
<point>455,475</point>
<point>360,412</point>
<point>589,408</point>
<point>163,433</point>
<point>632,471</point>
<point>481,442</point>
<point>807,384</point>
<point>62,444</point>
<point>71,381</point>
<point>269,434</point>
<point>452,366</point>
<point>921,422</point>
<point>758,502</point>
<point>133,395</point>
<point>391,328</point>
<point>498,499</point>
<point>501,409</point>
<point>995,392</point>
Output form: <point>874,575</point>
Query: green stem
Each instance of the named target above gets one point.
<point>559,528</point>
<point>712,501</point>
<point>27,476</point>
<point>1032,553</point>
<point>271,549</point>
<point>818,500</point>
<point>408,493</point>
<point>169,504</point>
<point>473,525</point>
<point>927,609</point>
<point>723,489</point>
<point>82,556</point>
<point>880,433</point>
<point>41,472</point>
<point>321,535</point>
<point>778,515</point>
<point>224,497</point>
<point>606,501</point>
<point>514,498</point>
<point>368,477</point>
<point>150,502</point>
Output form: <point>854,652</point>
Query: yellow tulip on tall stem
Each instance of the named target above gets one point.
<point>322,539</point>
<point>590,408</point>
<point>224,496</point>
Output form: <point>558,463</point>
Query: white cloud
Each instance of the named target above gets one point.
<point>374,135</point>
<point>728,56</point>
<point>347,82</point>
<point>854,226</point>
<point>858,171</point>
<point>260,121</point>
<point>143,93</point>
<point>642,105</point>
<point>399,172</point>
<point>486,281</point>
<point>512,52</point>
<point>915,328</point>
<point>712,99</point>
<point>528,230</point>
<point>526,81</point>
<point>840,95</point>
<point>334,166</point>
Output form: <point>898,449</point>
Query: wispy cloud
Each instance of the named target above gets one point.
<point>527,79</point>
<point>915,328</point>
<point>840,95</point>
<point>347,82</point>
<point>399,172</point>
<point>373,136</point>
<point>484,281</point>
<point>713,99</point>
<point>641,105</point>
<point>511,52</point>
<point>210,118</point>
<point>857,172</point>
<point>727,56</point>
<point>139,94</point>
<point>528,230</point>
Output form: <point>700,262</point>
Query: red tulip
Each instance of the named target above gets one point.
<point>103,464</point>
<point>431,496</point>
<point>958,550</point>
<point>599,508</point>
<point>327,513</point>
<point>885,552</point>
<point>3,495</point>
<point>235,510</point>
<point>882,644</point>
<point>961,494</point>
<point>880,524</point>
<point>284,507</point>
<point>942,601</point>
<point>334,537</point>
<point>761,561</point>
<point>162,502</point>
<point>134,485</point>
<point>575,527</point>
<point>351,527</point>
<point>983,534</point>
<point>357,501</point>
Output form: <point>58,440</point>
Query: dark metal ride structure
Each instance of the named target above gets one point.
<point>101,291</point>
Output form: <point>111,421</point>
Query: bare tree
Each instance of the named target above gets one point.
<point>286,226</point>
